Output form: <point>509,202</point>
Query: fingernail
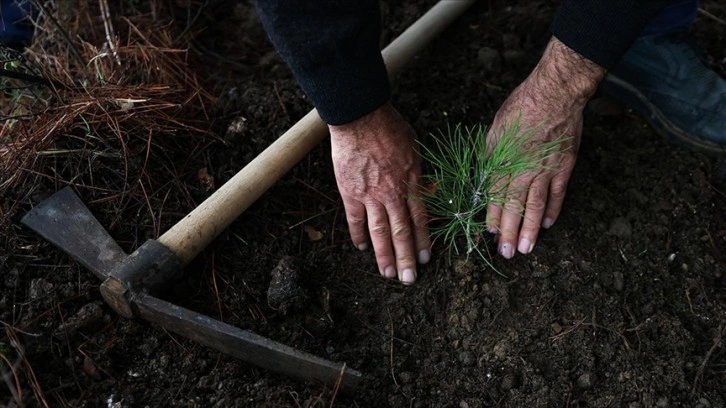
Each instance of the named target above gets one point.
<point>362,247</point>
<point>493,230</point>
<point>525,246</point>
<point>506,250</point>
<point>547,222</point>
<point>389,272</point>
<point>408,276</point>
<point>424,256</point>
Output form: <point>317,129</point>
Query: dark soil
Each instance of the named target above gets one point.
<point>622,302</point>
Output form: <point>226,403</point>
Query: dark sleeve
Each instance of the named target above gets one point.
<point>332,47</point>
<point>603,30</point>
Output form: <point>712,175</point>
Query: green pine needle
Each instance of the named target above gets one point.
<point>463,179</point>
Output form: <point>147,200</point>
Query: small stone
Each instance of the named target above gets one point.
<point>500,350</point>
<point>236,127</point>
<point>662,402</point>
<point>39,287</point>
<point>163,361</point>
<point>205,382</point>
<point>85,316</point>
<point>703,403</point>
<point>490,60</point>
<point>89,367</point>
<point>405,377</point>
<point>508,382</point>
<point>467,358</point>
<point>648,309</point>
<point>618,281</point>
<point>620,227</point>
<point>585,381</point>
<point>149,345</point>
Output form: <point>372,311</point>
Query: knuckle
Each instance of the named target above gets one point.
<point>401,231</point>
<point>356,220</point>
<point>558,190</point>
<point>380,230</point>
<point>537,205</point>
<point>420,219</point>
<point>514,205</point>
<point>405,260</point>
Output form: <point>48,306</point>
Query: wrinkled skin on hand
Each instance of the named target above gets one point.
<point>553,97</point>
<point>378,173</point>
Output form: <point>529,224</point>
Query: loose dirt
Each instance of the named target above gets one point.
<point>621,304</point>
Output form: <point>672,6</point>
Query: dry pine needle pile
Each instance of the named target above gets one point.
<point>104,99</point>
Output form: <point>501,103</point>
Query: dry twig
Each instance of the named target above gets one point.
<point>717,340</point>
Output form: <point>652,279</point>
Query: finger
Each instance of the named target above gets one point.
<point>557,191</point>
<point>494,210</point>
<point>512,216</point>
<point>403,242</point>
<point>533,213</point>
<point>355,214</point>
<point>498,198</point>
<point>420,221</point>
<point>380,232</point>
<point>493,218</point>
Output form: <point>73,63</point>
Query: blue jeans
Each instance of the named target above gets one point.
<point>675,17</point>
<point>15,30</point>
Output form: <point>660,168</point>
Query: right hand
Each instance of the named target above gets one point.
<point>378,173</point>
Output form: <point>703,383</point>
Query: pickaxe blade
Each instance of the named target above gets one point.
<point>67,223</point>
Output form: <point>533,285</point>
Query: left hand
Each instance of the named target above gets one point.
<point>553,98</point>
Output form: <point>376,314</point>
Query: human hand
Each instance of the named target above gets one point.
<point>553,98</point>
<point>378,174</point>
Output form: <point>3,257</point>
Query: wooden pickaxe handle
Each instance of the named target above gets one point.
<point>197,230</point>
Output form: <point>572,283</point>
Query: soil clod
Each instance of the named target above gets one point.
<point>467,358</point>
<point>86,316</point>
<point>285,293</point>
<point>620,227</point>
<point>585,381</point>
<point>39,288</point>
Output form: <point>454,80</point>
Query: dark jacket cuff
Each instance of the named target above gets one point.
<point>332,47</point>
<point>603,30</point>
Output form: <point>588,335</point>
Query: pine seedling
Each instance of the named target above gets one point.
<point>464,179</point>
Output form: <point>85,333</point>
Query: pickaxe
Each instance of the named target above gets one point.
<point>130,280</point>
